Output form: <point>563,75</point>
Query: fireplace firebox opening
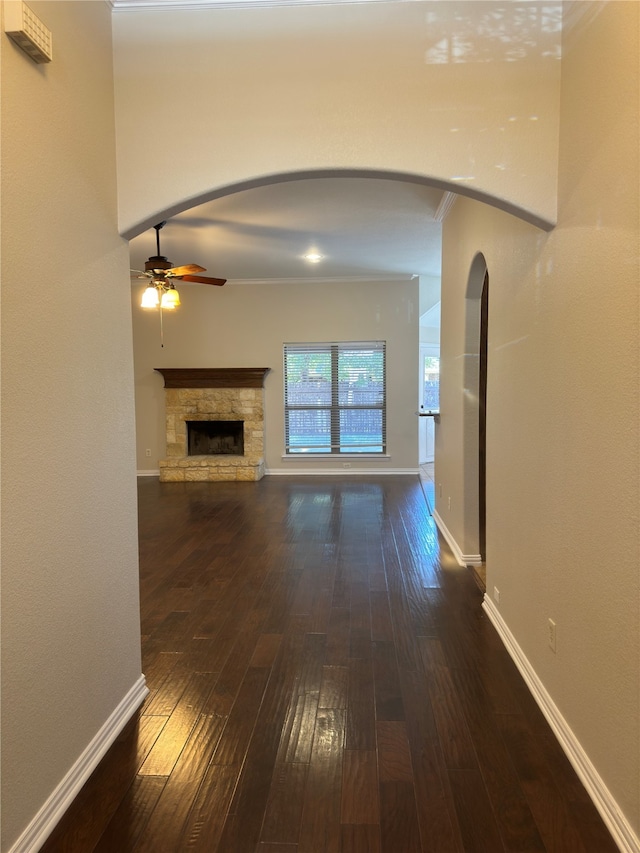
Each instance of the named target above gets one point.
<point>213,438</point>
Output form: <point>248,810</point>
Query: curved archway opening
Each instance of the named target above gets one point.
<point>475,408</point>
<point>446,186</point>
<point>359,224</point>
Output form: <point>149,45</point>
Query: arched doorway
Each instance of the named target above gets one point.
<point>482,418</point>
<point>475,409</point>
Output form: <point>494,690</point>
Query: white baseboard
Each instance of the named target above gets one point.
<point>63,795</point>
<point>462,559</point>
<point>339,472</point>
<point>329,472</point>
<point>617,824</point>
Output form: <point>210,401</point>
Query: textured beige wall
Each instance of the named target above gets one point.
<point>241,94</point>
<point>70,622</point>
<point>246,325</point>
<point>563,486</point>
<point>563,404</point>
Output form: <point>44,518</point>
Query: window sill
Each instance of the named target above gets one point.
<point>334,456</point>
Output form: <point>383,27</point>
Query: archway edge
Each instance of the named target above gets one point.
<point>475,279</point>
<point>221,191</point>
<point>473,454</point>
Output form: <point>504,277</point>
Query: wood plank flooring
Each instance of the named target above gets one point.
<point>322,680</point>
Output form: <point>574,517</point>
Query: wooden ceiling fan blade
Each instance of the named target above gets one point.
<point>187,269</point>
<point>203,279</point>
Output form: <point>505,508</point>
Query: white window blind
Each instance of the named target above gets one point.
<point>335,397</point>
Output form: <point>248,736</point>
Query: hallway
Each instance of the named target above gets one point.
<point>322,678</point>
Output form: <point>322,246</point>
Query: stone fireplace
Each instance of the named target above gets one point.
<point>215,423</point>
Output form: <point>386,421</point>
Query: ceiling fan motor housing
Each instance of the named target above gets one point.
<point>157,262</point>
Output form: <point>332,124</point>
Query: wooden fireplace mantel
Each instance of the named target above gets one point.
<point>213,377</point>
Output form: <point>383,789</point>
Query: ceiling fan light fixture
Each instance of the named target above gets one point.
<point>160,292</point>
<point>150,297</point>
<point>170,299</point>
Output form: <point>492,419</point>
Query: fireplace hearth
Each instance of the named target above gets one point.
<point>215,424</point>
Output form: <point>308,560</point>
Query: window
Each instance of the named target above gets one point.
<point>334,397</point>
<point>430,383</point>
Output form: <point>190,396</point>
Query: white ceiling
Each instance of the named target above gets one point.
<point>363,228</point>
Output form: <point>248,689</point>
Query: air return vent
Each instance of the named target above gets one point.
<point>27,31</point>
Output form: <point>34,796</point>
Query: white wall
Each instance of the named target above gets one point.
<point>238,95</point>
<point>70,620</point>
<point>563,405</point>
<point>246,325</point>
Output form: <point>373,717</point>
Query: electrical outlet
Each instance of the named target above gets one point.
<point>147,452</point>
<point>551,633</point>
<point>346,464</point>
<point>496,595</point>
<point>449,502</point>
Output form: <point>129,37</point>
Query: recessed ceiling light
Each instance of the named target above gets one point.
<point>313,257</point>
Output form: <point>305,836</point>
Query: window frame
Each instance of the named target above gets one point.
<point>336,407</point>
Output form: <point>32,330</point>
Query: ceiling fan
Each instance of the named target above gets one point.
<point>161,290</point>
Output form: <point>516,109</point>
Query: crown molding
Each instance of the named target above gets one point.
<point>337,279</point>
<point>173,5</point>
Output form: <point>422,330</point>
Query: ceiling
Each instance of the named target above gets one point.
<point>362,228</point>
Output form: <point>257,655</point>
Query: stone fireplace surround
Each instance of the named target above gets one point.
<point>207,394</point>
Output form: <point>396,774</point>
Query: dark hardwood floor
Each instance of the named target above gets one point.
<point>322,679</point>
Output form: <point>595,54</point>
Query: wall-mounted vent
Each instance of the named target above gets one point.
<point>27,31</point>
